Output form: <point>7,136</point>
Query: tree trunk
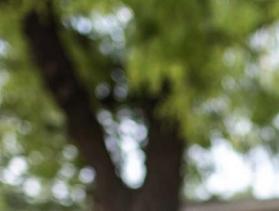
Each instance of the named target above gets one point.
<point>160,191</point>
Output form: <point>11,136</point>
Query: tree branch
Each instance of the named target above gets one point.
<point>59,75</point>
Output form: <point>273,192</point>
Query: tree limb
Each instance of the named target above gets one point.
<point>59,75</point>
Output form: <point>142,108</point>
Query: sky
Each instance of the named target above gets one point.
<point>235,173</point>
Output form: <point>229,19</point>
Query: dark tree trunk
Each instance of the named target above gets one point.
<point>160,191</point>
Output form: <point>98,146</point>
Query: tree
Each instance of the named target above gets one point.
<point>172,63</point>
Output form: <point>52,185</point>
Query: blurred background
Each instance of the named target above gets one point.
<point>220,59</point>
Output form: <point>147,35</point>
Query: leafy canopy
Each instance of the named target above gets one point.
<point>214,55</point>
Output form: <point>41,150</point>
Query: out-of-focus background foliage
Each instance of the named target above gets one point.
<point>220,58</point>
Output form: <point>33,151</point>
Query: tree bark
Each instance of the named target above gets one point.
<point>59,76</point>
<point>160,191</point>
<point>164,153</point>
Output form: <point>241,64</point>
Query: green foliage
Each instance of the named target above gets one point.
<point>201,48</point>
